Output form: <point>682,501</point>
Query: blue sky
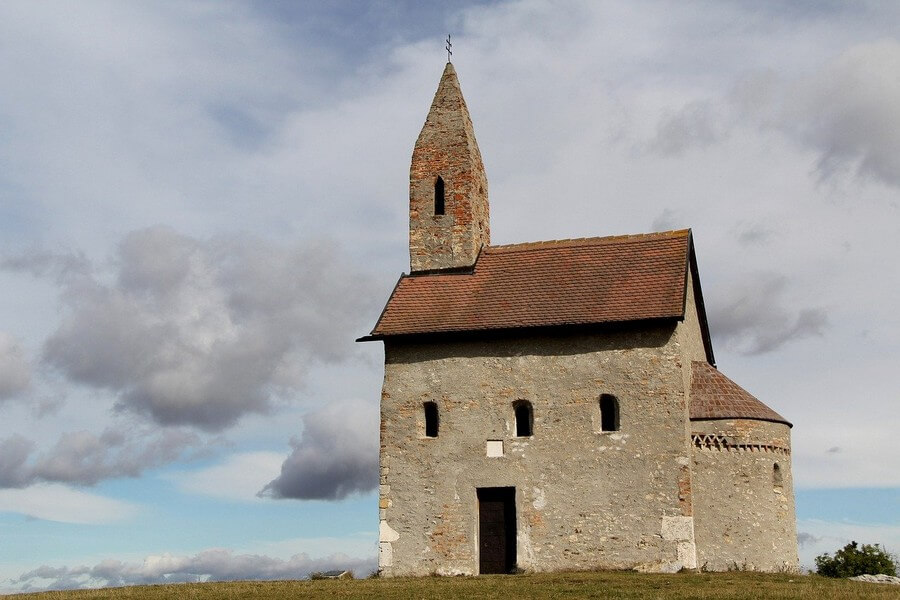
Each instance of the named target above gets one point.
<point>202,205</point>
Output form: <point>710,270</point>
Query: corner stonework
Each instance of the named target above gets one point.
<point>386,535</point>
<point>681,531</point>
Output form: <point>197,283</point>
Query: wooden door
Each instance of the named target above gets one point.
<point>496,530</point>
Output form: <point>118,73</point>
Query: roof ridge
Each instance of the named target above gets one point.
<point>586,241</point>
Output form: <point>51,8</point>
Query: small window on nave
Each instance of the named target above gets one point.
<point>524,418</point>
<point>431,419</point>
<point>609,413</point>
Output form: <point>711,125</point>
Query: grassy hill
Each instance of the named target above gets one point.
<point>618,585</point>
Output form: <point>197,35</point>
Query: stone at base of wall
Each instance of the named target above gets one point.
<point>687,554</point>
<point>681,531</point>
<point>877,579</point>
<point>385,554</point>
<point>660,567</point>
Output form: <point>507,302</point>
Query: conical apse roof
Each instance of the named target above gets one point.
<point>714,396</point>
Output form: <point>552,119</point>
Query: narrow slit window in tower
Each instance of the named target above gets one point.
<point>439,196</point>
<point>431,419</point>
<point>609,413</point>
<point>524,418</point>
<point>777,480</point>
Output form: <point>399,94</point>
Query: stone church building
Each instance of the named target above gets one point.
<point>556,405</point>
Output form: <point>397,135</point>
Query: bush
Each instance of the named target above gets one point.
<point>853,560</point>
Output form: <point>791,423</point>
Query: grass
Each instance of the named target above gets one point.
<point>618,585</point>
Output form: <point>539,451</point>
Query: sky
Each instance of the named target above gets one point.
<point>203,204</point>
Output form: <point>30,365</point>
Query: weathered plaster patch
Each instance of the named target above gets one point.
<point>386,533</point>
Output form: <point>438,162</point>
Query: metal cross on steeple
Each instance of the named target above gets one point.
<point>448,47</point>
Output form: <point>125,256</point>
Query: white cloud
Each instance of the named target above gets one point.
<point>864,456</point>
<point>362,544</point>
<point>215,564</point>
<point>83,458</point>
<point>817,537</point>
<point>238,478</point>
<point>55,502</point>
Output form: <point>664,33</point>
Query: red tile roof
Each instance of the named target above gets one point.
<point>714,396</point>
<point>567,282</point>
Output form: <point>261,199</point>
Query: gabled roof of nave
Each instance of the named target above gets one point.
<point>589,281</point>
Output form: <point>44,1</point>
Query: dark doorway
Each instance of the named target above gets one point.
<point>496,530</point>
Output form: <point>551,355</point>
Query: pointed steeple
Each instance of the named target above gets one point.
<point>448,190</point>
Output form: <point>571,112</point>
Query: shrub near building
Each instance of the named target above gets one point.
<point>853,560</point>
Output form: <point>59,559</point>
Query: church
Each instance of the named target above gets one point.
<point>556,405</point>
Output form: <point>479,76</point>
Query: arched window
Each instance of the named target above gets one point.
<point>439,196</point>
<point>777,479</point>
<point>431,419</point>
<point>609,413</point>
<point>524,418</point>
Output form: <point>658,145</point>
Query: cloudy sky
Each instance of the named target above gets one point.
<point>202,204</point>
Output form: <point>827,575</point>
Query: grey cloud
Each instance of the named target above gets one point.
<point>805,539</point>
<point>666,220</point>
<point>848,112</point>
<point>41,264</point>
<point>751,318</point>
<point>845,112</point>
<point>200,332</point>
<point>336,456</point>
<point>14,453</point>
<point>695,124</point>
<point>755,233</point>
<point>83,458</point>
<point>209,565</point>
<point>15,372</point>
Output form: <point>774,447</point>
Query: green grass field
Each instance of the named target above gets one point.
<point>619,585</point>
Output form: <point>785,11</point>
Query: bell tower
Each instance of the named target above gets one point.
<point>448,189</point>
